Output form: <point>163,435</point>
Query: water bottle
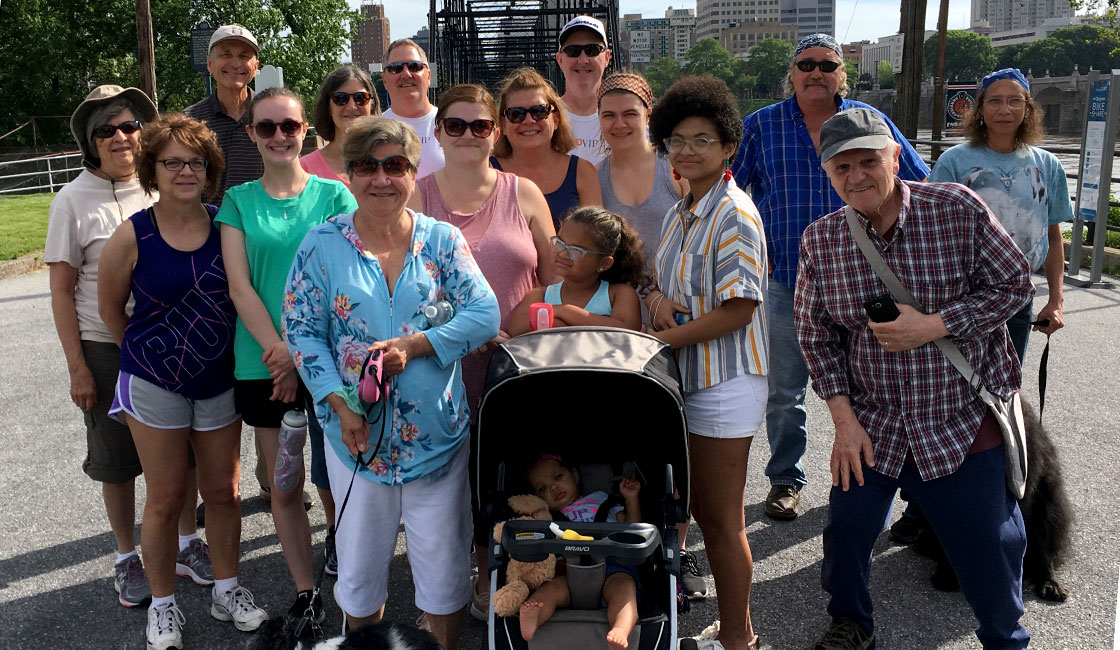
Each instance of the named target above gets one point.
<point>438,312</point>
<point>289,457</point>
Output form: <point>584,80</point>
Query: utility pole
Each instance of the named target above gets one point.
<point>908,83</point>
<point>939,78</point>
<point>146,51</point>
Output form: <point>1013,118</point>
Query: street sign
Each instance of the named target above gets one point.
<point>1095,175</point>
<point>200,45</point>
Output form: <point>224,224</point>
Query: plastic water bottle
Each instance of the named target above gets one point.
<point>289,457</point>
<point>438,312</point>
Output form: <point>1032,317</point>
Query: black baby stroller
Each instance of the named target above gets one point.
<point>630,417</point>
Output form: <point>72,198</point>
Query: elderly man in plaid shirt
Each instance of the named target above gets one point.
<point>904,416</point>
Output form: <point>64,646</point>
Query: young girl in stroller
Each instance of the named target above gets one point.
<point>599,257</point>
<point>558,485</point>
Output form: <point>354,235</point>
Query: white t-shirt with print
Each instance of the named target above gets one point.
<point>589,137</point>
<point>431,154</point>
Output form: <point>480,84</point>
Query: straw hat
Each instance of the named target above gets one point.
<point>142,107</point>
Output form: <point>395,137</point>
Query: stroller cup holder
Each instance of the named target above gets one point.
<point>628,544</point>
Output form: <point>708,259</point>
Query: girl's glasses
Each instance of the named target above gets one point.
<point>177,164</point>
<point>395,165</point>
<point>574,253</point>
<point>361,98</point>
<point>108,130</point>
<point>516,114</point>
<point>267,128</point>
<point>698,145</point>
<point>455,127</point>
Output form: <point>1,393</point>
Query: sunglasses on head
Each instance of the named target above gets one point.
<point>590,49</point>
<point>455,127</point>
<point>516,114</point>
<point>395,165</point>
<point>807,65</point>
<point>361,98</point>
<point>108,130</point>
<point>267,128</point>
<point>415,67</point>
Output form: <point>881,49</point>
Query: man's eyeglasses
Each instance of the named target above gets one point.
<point>177,164</point>
<point>395,165</point>
<point>361,98</point>
<point>415,67</point>
<point>590,49</point>
<point>516,114</point>
<point>455,127</point>
<point>1014,103</point>
<point>807,65</point>
<point>267,128</point>
<point>108,130</point>
<point>698,145</point>
<point>574,253</point>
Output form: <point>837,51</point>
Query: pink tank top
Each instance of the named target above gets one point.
<point>502,246</point>
<point>315,163</point>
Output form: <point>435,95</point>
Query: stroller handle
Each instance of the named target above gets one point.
<point>628,544</point>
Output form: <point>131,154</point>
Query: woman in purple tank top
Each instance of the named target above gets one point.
<point>507,223</point>
<point>175,389</point>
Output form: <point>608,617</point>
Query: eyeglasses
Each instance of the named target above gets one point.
<point>415,67</point>
<point>108,130</point>
<point>590,49</point>
<point>698,145</point>
<point>1014,103</point>
<point>574,253</point>
<point>177,164</point>
<point>516,114</point>
<point>807,65</point>
<point>455,127</point>
<point>361,98</point>
<point>267,128</point>
<point>395,165</point>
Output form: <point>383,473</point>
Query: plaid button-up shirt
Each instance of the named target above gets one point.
<point>782,168</point>
<point>953,256</point>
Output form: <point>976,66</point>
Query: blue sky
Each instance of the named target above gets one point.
<point>869,19</point>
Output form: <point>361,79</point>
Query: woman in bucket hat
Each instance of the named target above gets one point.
<point>85,213</point>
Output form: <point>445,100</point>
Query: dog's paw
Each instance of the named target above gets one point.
<point>943,579</point>
<point>1052,591</point>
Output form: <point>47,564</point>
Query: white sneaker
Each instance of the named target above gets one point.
<point>165,628</point>
<point>238,606</point>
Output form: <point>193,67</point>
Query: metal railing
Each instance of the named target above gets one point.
<point>58,172</point>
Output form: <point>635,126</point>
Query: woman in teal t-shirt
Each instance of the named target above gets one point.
<point>262,225</point>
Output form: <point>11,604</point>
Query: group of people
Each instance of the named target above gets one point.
<point>205,275</point>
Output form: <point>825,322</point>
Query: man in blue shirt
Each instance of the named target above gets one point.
<point>779,161</point>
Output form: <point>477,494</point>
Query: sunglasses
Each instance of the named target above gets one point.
<point>574,253</point>
<point>455,127</point>
<point>108,130</point>
<point>177,164</point>
<point>516,114</point>
<point>267,128</point>
<point>807,65</point>
<point>395,165</point>
<point>590,49</point>
<point>361,98</point>
<point>415,67</point>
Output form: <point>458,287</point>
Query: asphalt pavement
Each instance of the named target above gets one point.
<point>56,552</point>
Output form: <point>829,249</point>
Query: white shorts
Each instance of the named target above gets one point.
<point>437,528</point>
<point>730,409</point>
<point>160,408</point>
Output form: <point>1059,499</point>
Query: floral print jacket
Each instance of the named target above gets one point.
<point>338,303</point>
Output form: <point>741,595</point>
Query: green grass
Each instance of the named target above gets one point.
<point>23,224</point>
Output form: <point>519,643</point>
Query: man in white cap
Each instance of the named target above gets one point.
<point>407,77</point>
<point>232,61</point>
<point>583,57</point>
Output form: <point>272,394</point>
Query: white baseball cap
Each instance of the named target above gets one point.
<point>584,22</point>
<point>236,32</point>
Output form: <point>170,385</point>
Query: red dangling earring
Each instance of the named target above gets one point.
<point>727,172</point>
<point>676,175</point>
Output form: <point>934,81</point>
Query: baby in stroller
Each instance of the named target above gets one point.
<point>558,485</point>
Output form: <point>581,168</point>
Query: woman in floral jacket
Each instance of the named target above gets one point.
<point>359,282</point>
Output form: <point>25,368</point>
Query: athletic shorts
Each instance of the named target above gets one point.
<point>437,525</point>
<point>730,409</point>
<point>160,408</point>
<point>110,453</point>
<point>252,398</point>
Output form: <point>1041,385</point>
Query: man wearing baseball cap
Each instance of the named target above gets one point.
<point>583,57</point>
<point>232,61</point>
<point>904,417</point>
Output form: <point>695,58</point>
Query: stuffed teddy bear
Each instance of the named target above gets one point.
<point>522,577</point>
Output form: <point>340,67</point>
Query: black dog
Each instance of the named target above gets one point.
<point>279,633</point>
<point>1047,516</point>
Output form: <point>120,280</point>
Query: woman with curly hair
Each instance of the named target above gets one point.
<point>1024,186</point>
<point>711,276</point>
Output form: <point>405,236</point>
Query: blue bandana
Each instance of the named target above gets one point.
<point>1011,74</point>
<point>817,40</point>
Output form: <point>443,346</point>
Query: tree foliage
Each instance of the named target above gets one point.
<point>769,59</point>
<point>885,74</point>
<point>968,56</point>
<point>661,74</point>
<point>1083,46</point>
<point>853,74</point>
<point>709,57</point>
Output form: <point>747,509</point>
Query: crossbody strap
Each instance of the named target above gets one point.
<point>902,295</point>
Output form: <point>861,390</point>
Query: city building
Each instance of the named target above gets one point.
<point>368,49</point>
<point>1031,34</point>
<point>1006,15</point>
<point>645,39</point>
<point>854,52</point>
<point>810,16</point>
<point>423,38</point>
<point>714,16</point>
<point>739,39</point>
<point>682,32</point>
